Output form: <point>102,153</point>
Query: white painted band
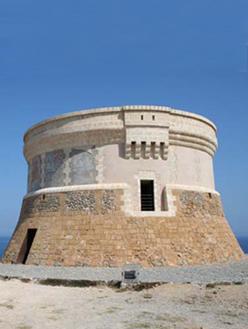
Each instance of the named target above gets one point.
<point>113,186</point>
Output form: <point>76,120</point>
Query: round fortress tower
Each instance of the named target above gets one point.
<point>122,185</point>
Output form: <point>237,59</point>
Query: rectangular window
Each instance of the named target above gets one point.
<point>147,195</point>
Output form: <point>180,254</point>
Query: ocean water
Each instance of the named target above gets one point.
<point>243,241</point>
<point>3,244</point>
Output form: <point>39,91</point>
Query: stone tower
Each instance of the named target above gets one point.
<point>122,185</point>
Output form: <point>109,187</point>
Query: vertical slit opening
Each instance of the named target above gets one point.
<point>164,201</point>
<point>133,147</point>
<point>153,149</point>
<point>162,146</point>
<point>143,149</point>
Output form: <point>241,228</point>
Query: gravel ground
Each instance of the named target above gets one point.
<point>170,306</point>
<point>231,272</point>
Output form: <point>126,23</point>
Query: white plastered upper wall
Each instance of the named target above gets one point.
<point>131,138</point>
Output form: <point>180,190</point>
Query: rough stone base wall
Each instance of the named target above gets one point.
<point>89,228</point>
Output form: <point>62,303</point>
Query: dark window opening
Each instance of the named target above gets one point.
<point>161,150</point>
<point>133,149</point>
<point>153,145</point>
<point>210,195</point>
<point>147,195</point>
<point>141,117</point>
<point>26,246</point>
<point>43,196</point>
<point>143,149</point>
<point>153,117</point>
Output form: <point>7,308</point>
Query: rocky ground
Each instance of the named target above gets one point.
<point>178,306</point>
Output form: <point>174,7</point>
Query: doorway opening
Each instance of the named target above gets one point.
<point>26,246</point>
<point>147,195</point>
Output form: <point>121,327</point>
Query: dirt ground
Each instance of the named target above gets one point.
<point>33,306</point>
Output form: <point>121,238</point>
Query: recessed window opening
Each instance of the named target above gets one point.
<point>43,196</point>
<point>164,200</point>
<point>142,117</point>
<point>210,195</point>
<point>147,195</point>
<point>26,246</point>
<point>143,149</point>
<point>162,146</point>
<point>133,147</point>
<point>153,117</point>
<point>153,144</point>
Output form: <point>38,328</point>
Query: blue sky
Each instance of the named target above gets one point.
<point>61,56</point>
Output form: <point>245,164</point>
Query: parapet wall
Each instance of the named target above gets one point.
<point>110,125</point>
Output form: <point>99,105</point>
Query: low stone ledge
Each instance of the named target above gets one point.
<point>211,275</point>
